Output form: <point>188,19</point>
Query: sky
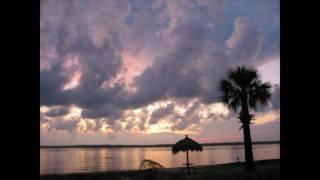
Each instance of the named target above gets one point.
<point>147,71</point>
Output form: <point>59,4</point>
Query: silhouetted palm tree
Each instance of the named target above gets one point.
<point>243,88</point>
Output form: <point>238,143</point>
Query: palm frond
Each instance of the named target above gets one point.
<point>230,94</point>
<point>260,92</point>
<point>244,81</point>
<point>242,76</point>
<point>234,104</point>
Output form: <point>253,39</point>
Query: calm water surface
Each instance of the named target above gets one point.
<point>80,160</point>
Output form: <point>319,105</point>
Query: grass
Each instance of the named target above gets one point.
<point>265,170</point>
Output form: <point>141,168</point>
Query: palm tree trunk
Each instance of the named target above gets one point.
<point>245,119</point>
<point>188,162</point>
<point>248,147</point>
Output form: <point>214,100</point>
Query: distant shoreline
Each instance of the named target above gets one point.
<point>155,145</point>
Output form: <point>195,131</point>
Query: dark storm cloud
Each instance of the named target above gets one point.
<point>51,84</point>
<point>195,66</point>
<point>63,124</point>
<point>106,111</point>
<point>58,111</point>
<point>174,75</point>
<point>189,117</point>
<point>69,125</point>
<point>161,113</point>
<point>98,63</point>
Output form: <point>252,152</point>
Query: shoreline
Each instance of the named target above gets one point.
<point>239,166</point>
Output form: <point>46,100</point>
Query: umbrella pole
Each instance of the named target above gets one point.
<point>188,162</point>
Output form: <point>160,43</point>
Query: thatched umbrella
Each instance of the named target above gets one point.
<point>186,144</point>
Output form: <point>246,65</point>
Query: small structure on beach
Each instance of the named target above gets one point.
<point>187,144</point>
<point>148,164</point>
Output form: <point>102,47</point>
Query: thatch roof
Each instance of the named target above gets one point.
<point>186,144</point>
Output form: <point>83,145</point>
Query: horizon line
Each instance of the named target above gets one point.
<point>153,145</point>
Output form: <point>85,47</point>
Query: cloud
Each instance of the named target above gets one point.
<point>245,41</point>
<point>194,65</point>
<point>98,63</point>
<point>184,71</point>
<point>275,97</point>
<point>58,111</point>
<point>160,113</point>
<point>105,111</point>
<point>67,124</point>
<point>43,118</point>
<point>188,118</point>
<point>266,117</point>
<point>51,85</point>
<point>181,72</point>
